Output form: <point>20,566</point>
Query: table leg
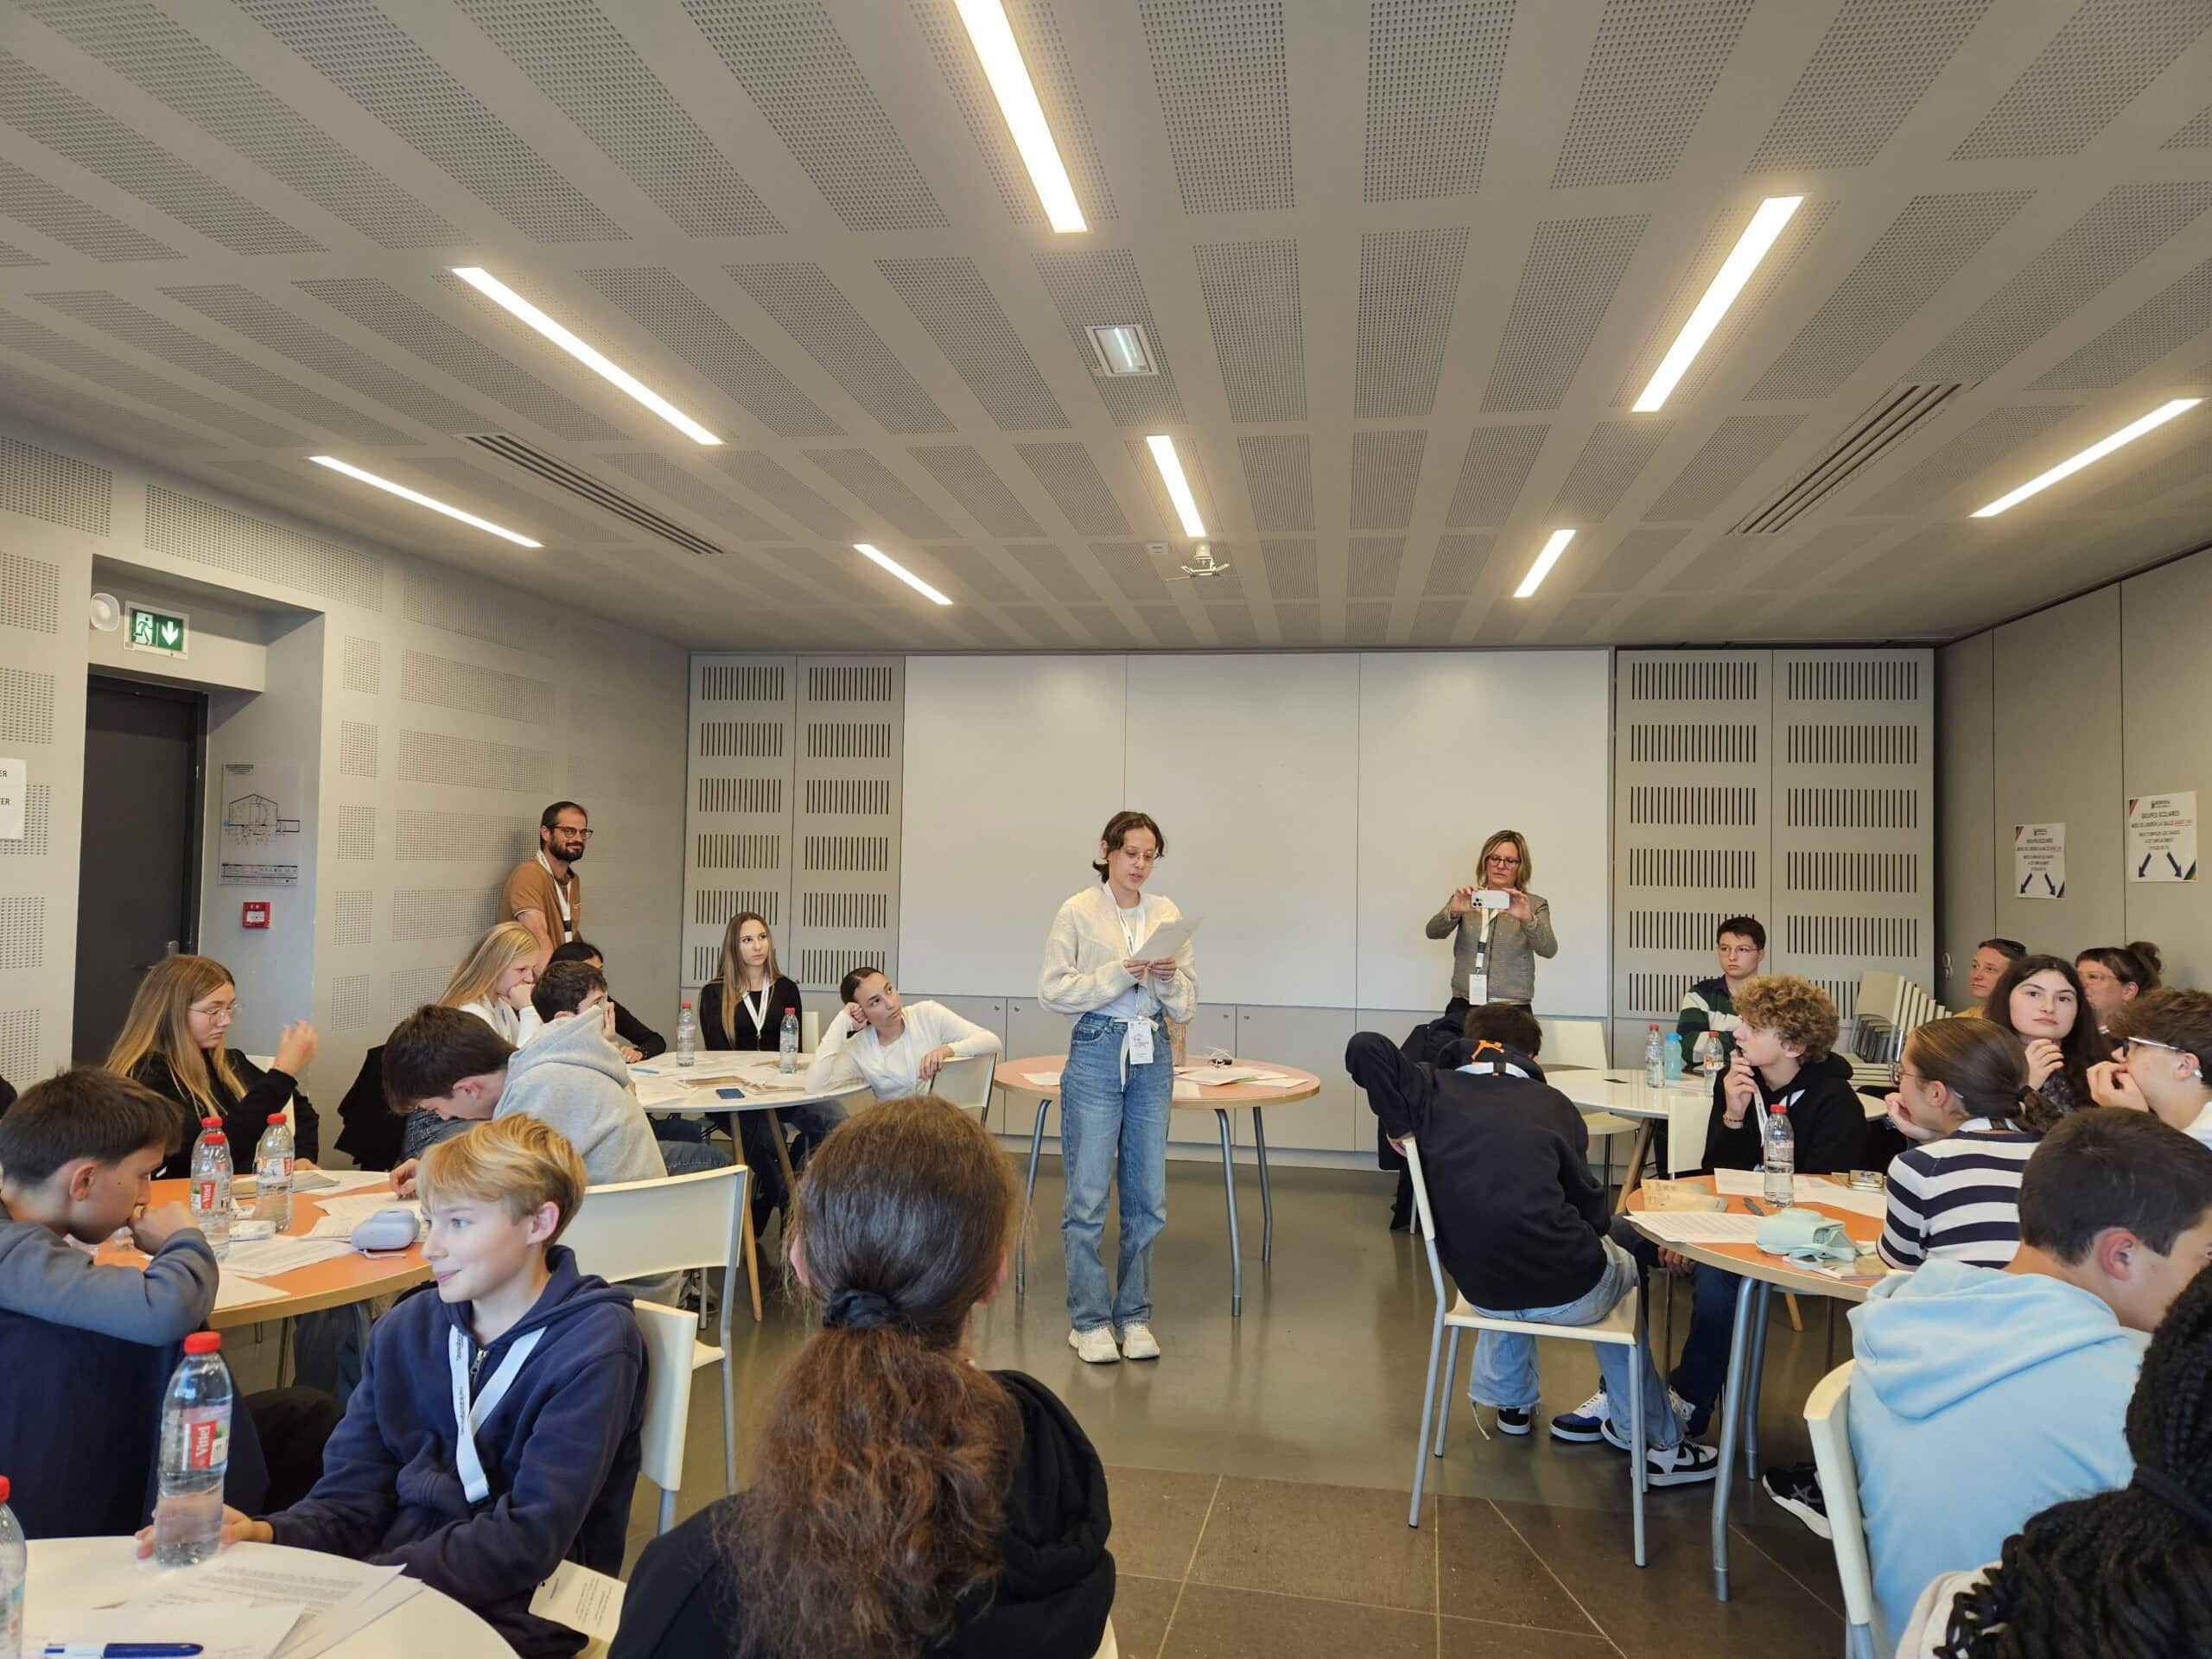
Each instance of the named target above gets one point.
<point>1228,1189</point>
<point>1639,1150</point>
<point>1751,1385</point>
<point>1029,1197</point>
<point>783,1154</point>
<point>1267,1198</point>
<point>752,1262</point>
<point>1731,1426</point>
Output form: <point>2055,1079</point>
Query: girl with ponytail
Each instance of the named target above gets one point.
<point>2122,1575</point>
<point>907,1501</point>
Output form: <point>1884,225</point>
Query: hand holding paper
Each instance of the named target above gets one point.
<point>1162,943</point>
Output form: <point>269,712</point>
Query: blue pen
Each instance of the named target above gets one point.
<point>121,1650</point>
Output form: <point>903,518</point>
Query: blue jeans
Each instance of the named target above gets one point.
<point>689,1157</point>
<point>1102,1119</point>
<point>1504,1370</point>
<point>813,1123</point>
<point>1704,1367</point>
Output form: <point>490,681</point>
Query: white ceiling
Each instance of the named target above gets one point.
<point>1407,263</point>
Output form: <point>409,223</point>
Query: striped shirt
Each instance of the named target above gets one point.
<point>1958,1198</point>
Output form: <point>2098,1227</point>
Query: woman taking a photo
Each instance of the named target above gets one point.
<point>2039,1000</point>
<point>172,1041</point>
<point>495,979</point>
<point>1116,1089</point>
<point>1496,942</point>
<point>908,1501</point>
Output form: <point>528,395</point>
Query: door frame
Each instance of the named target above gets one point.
<point>196,843</point>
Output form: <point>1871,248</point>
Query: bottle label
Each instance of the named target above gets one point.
<point>11,1619</point>
<point>276,1169</point>
<point>203,1196</point>
<point>207,1438</point>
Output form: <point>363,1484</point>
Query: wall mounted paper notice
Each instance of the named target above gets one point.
<point>2039,860</point>
<point>588,1602</point>
<point>15,786</point>
<point>2161,835</point>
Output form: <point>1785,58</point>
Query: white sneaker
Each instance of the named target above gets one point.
<point>1095,1346</point>
<point>1616,1435</point>
<point>1584,1422</point>
<point>1138,1342</point>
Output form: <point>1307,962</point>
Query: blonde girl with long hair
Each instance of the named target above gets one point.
<point>494,980</point>
<point>174,1041</point>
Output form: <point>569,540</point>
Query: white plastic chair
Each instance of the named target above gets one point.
<point>1108,1647</point>
<point>1623,1326</point>
<point>671,1341</point>
<point>645,1230</point>
<point>966,1084</point>
<point>809,1030</point>
<point>1827,1418</point>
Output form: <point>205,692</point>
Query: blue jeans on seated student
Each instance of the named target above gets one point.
<point>689,1157</point>
<point>813,1123</point>
<point>1504,1372</point>
<point>1703,1365</point>
<point>1104,1122</point>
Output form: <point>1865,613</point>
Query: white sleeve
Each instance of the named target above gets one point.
<point>832,1065</point>
<point>1066,988</point>
<point>967,1040</point>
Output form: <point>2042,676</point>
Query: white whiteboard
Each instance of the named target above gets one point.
<point>1453,745</point>
<point>1250,764</point>
<point>1013,765</point>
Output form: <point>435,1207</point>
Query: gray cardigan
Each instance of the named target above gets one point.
<point>1514,948</point>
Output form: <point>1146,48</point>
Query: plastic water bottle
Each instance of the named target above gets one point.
<point>15,1566</point>
<point>787,1042</point>
<point>687,1036</point>
<point>1674,1059</point>
<point>1781,1159</point>
<point>1654,1060</point>
<point>272,1173</point>
<point>195,1454</point>
<point>211,1185</point>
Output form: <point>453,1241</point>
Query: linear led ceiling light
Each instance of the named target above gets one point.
<point>1025,118</point>
<point>877,556</point>
<point>1179,487</point>
<point>422,500</point>
<point>500,294</point>
<point>1736,270</point>
<point>2097,451</point>
<point>1545,560</point>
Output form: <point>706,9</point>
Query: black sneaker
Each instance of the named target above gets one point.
<point>1513,1420</point>
<point>1796,1487</point>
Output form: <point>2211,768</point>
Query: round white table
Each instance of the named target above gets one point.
<point>80,1572</point>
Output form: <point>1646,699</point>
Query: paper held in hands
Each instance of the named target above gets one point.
<point>1167,938</point>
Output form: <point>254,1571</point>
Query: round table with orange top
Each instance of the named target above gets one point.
<point>1039,1077</point>
<point>1762,1273</point>
<point>337,1282</point>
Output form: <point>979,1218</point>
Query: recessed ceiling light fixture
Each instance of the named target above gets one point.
<point>1121,348</point>
<point>2097,451</point>
<point>993,38</point>
<point>1179,487</point>
<point>1545,560</point>
<point>876,555</point>
<point>500,294</point>
<point>1735,270</point>
<point>422,500</point>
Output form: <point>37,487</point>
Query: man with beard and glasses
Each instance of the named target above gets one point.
<point>545,892</point>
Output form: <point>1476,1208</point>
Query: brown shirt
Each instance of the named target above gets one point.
<point>531,886</point>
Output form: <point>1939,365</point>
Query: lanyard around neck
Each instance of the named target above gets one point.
<point>468,1418</point>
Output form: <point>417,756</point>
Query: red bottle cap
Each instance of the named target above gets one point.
<point>211,1123</point>
<point>3,1489</point>
<point>203,1342</point>
<point>275,1117</point>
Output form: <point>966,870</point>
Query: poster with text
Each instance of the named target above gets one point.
<point>2039,860</point>
<point>2162,837</point>
<point>258,825</point>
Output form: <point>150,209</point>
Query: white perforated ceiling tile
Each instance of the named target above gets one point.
<point>1259,327</point>
<point>2169,318</point>
<point>1409,285</point>
<point>1496,465</point>
<point>1458,561</point>
<point>808,306</point>
<point>73,221</point>
<point>721,517</point>
<point>950,298</point>
<point>700,336</point>
<point>85,364</point>
<point>1224,95</point>
<point>1721,464</point>
<point>762,476</point>
<point>1610,462</point>
<point>1071,478</point>
<point>1965,459</point>
<point>1292,569</point>
<point>869,481</point>
<point>964,475</point>
<point>1099,287</point>
<point>1566,283</point>
<point>1278,477</point>
<point>2055,107</point>
<point>1133,570</point>
<point>1385,472</point>
<point>1870,71</point>
<point>1653,67</point>
<point>1433,73</point>
<point>1372,571</point>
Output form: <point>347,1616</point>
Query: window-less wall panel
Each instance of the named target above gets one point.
<point>737,816</point>
<point>845,832</point>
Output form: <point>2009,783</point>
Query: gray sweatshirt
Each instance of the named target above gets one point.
<point>44,1276</point>
<point>570,1078</point>
<point>1514,948</point>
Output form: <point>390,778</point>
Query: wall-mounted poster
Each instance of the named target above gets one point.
<point>2038,861</point>
<point>2162,837</point>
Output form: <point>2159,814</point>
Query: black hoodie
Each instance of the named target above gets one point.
<point>685,1600</point>
<point>1826,1120</point>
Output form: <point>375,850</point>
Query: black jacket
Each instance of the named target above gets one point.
<point>1519,1216</point>
<point>687,1601</point>
<point>244,1113</point>
<point>714,1034</point>
<point>635,1032</point>
<point>1825,1116</point>
<point>369,1131</point>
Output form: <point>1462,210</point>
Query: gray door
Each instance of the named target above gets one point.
<point>137,889</point>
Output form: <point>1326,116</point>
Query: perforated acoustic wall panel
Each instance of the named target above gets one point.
<point>737,813</point>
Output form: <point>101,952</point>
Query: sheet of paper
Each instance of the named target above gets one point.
<point>354,1208</point>
<point>661,1094</point>
<point>1693,1227</point>
<point>219,1633</point>
<point>1044,1080</point>
<point>349,1180</point>
<point>1167,938</point>
<point>720,1063</point>
<point>1806,1189</point>
<point>339,1595</point>
<point>1186,1091</point>
<point>232,1290</point>
<point>268,1256</point>
<point>585,1601</point>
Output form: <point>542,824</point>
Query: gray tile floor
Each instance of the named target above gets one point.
<point>1259,1472</point>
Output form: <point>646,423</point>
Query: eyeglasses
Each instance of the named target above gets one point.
<point>570,830</point>
<point>2152,1042</point>
<point>215,1010</point>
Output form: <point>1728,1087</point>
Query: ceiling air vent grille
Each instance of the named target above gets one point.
<point>555,472</point>
<point>1893,418</point>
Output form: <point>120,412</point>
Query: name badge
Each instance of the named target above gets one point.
<point>1140,1041</point>
<point>1478,987</point>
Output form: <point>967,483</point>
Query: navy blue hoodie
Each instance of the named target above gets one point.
<point>560,1454</point>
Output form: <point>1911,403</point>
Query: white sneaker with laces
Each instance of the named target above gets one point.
<point>1617,1433</point>
<point>1095,1346</point>
<point>1139,1343</point>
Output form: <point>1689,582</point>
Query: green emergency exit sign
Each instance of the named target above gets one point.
<point>166,632</point>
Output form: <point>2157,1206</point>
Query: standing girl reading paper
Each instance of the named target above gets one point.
<point>1118,1087</point>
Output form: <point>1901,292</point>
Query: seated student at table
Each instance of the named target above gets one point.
<point>495,979</point>
<point>634,1038</point>
<point>2125,1574</point>
<point>745,1009</point>
<point>908,1501</point>
<point>578,988</point>
<point>1979,1395</point>
<point>1521,1221</point>
<point>1786,1027</point>
<point>554,1364</point>
<point>173,1042</point>
<point>1710,1005</point>
<point>2167,1070</point>
<point>896,1049</point>
<point>2040,1001</point>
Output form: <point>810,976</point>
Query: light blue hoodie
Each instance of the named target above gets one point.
<point>1978,1398</point>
